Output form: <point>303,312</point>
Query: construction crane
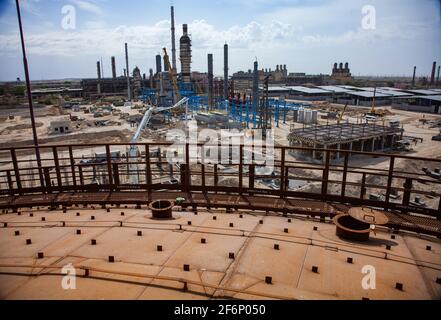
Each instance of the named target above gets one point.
<point>374,112</point>
<point>342,113</point>
<point>170,70</point>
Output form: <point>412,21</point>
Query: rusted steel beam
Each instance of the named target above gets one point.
<point>325,176</point>
<point>362,187</point>
<point>116,175</point>
<point>47,178</point>
<point>282,171</point>
<point>109,165</point>
<point>345,174</point>
<point>57,166</point>
<point>10,184</point>
<point>241,166</point>
<point>16,170</point>
<point>389,178</point>
<point>72,166</point>
<point>203,175</point>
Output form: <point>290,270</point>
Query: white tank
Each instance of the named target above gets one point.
<point>314,116</point>
<point>308,116</point>
<point>301,116</point>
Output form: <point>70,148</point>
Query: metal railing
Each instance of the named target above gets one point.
<point>390,182</point>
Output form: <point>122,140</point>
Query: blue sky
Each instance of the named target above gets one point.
<point>307,36</point>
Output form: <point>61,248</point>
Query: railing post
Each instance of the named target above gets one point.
<point>282,172</point>
<point>109,166</point>
<point>241,168</point>
<point>57,166</point>
<point>407,190</point>
<point>216,179</point>
<point>16,171</point>
<point>251,176</point>
<point>72,166</point>
<point>345,173</point>
<point>389,179</point>
<point>325,174</point>
<point>438,217</point>
<point>116,175</point>
<point>148,169</point>
<point>10,184</point>
<point>80,171</point>
<point>362,188</point>
<point>187,165</point>
<point>47,178</point>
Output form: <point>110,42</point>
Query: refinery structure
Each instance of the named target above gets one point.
<point>172,183</point>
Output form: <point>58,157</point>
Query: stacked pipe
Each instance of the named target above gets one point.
<point>225,71</point>
<point>210,81</point>
<point>98,69</point>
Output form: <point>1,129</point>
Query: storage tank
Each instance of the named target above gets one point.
<point>314,116</point>
<point>308,116</point>
<point>296,115</point>
<point>301,116</point>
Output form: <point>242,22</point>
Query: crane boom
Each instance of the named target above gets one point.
<point>170,70</point>
<point>342,113</point>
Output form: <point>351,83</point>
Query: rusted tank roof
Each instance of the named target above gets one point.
<point>121,253</point>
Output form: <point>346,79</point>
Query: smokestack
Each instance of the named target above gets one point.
<point>98,70</point>
<point>151,77</point>
<point>226,71</point>
<point>185,55</point>
<point>113,68</point>
<point>210,81</point>
<point>129,94</point>
<point>437,77</point>
<point>432,78</point>
<point>172,9</point>
<point>158,64</point>
<point>413,78</point>
<point>255,89</point>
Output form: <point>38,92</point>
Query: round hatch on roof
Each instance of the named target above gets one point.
<point>368,215</point>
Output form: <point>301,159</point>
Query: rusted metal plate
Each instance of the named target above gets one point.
<point>368,215</point>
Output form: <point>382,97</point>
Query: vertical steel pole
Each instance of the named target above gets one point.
<point>28,88</point>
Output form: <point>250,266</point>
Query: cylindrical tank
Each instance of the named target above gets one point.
<point>308,116</point>
<point>296,115</point>
<point>301,116</point>
<point>314,116</point>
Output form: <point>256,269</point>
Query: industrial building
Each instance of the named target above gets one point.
<point>368,137</point>
<point>423,103</point>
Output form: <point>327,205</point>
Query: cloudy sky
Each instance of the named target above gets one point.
<point>306,35</point>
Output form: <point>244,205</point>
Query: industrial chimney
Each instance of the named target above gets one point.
<point>158,64</point>
<point>437,77</point>
<point>432,78</point>
<point>113,68</point>
<point>210,81</point>
<point>98,70</point>
<point>129,94</point>
<point>226,71</point>
<point>172,9</point>
<point>185,55</point>
<point>413,78</point>
<point>255,89</point>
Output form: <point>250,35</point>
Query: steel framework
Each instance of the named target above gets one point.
<point>236,183</point>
